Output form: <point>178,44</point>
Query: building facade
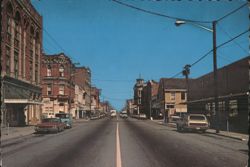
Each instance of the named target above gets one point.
<point>131,107</point>
<point>172,96</point>
<point>138,90</point>
<point>58,86</point>
<point>95,100</point>
<point>83,80</point>
<point>149,91</point>
<point>21,48</point>
<point>233,92</point>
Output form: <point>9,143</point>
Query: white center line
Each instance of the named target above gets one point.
<point>118,148</point>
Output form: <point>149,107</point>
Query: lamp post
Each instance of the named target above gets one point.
<point>213,30</point>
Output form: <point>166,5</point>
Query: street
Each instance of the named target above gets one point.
<point>141,144</point>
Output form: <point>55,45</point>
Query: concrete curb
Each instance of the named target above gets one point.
<point>232,137</point>
<point>219,134</point>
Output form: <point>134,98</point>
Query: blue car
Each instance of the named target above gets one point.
<point>66,118</point>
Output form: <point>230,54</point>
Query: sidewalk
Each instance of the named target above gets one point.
<point>16,132</point>
<point>233,135</point>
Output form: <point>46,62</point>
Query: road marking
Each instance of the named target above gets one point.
<point>118,148</point>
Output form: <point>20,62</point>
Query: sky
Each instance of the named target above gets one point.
<point>120,43</point>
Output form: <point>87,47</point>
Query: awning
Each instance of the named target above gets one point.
<point>21,101</point>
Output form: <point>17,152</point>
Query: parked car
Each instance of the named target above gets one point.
<point>142,116</point>
<point>65,118</point>
<point>50,125</point>
<point>196,122</point>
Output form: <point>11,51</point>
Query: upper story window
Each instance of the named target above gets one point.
<point>49,71</point>
<point>16,64</point>
<point>7,60</point>
<point>172,96</point>
<point>61,90</point>
<point>61,71</point>
<point>49,89</point>
<point>183,96</point>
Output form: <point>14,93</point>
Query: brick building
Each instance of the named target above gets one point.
<point>95,100</point>
<point>138,87</point>
<point>83,80</point>
<point>172,96</point>
<point>21,48</point>
<point>233,90</point>
<point>58,86</point>
<point>148,92</point>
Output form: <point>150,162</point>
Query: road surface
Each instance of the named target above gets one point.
<point>126,143</point>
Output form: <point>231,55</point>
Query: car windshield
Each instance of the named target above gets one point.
<point>51,120</point>
<point>196,117</point>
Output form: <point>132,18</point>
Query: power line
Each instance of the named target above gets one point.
<point>233,38</point>
<point>233,41</point>
<point>205,55</point>
<point>111,80</point>
<point>55,41</point>
<point>158,14</point>
<point>231,12</point>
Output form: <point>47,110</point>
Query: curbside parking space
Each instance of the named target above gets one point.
<point>233,135</point>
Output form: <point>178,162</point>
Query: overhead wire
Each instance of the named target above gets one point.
<point>205,55</point>
<point>158,14</point>
<point>235,42</point>
<point>228,14</point>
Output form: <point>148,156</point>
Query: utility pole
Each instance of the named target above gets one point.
<point>164,105</point>
<point>215,79</point>
<point>186,72</point>
<point>90,99</point>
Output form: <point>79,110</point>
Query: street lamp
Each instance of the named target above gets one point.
<point>213,30</point>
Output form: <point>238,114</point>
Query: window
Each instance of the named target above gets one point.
<point>172,96</point>
<point>139,101</point>
<point>36,73</point>
<point>8,29</point>
<point>31,70</point>
<point>49,71</point>
<point>139,93</point>
<point>61,71</point>
<point>49,89</point>
<point>16,64</point>
<point>233,108</point>
<point>183,96</point>
<point>61,90</point>
<point>8,61</point>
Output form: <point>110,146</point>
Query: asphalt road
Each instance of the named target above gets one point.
<point>126,143</point>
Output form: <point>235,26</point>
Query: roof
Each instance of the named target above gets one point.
<point>173,83</point>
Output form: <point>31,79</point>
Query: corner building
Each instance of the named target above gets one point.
<point>21,43</point>
<point>58,84</point>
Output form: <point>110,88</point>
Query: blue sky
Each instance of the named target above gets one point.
<point>120,43</point>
